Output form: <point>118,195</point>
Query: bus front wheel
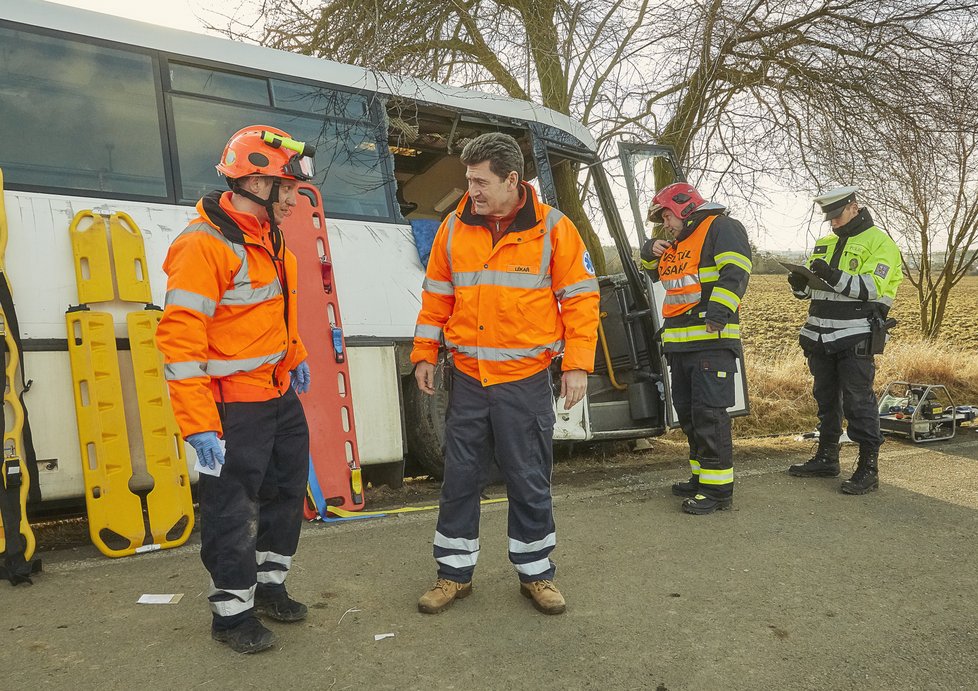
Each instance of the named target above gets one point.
<point>425,422</point>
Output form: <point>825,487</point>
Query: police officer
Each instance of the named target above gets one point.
<point>704,269</point>
<point>860,269</point>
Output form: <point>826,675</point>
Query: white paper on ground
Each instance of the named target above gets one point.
<point>382,636</point>
<point>216,470</point>
<point>152,599</point>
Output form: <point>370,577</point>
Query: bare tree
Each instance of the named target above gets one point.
<point>921,177</point>
<point>730,84</point>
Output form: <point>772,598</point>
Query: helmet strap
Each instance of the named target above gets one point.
<point>268,204</point>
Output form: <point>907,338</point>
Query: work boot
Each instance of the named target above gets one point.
<point>825,463</point>
<point>249,636</point>
<point>442,595</point>
<point>689,488</point>
<point>279,606</point>
<point>700,504</point>
<point>866,478</point>
<point>546,598</point>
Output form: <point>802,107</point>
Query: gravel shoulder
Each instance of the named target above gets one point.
<point>798,587</point>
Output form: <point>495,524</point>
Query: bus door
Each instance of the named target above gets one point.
<point>625,396</point>
<point>646,169</point>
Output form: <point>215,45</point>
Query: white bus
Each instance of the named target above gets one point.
<point>101,112</point>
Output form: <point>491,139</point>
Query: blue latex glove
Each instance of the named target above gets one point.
<point>301,377</point>
<point>208,448</point>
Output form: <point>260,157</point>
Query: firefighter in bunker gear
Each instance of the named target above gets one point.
<point>704,269</point>
<point>232,350</point>
<point>509,286</point>
<point>861,268</point>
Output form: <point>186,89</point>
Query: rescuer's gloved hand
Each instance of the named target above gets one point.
<point>797,281</point>
<point>301,377</point>
<point>821,269</point>
<point>208,448</point>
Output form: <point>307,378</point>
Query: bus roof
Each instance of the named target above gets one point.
<point>219,50</point>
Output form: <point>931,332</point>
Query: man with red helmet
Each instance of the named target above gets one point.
<point>234,365</point>
<point>704,268</point>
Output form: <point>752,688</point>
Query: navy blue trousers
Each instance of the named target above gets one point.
<point>251,515</point>
<point>513,423</point>
<point>844,386</point>
<point>703,387</point>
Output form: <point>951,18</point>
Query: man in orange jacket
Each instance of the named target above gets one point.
<point>509,286</point>
<point>234,364</point>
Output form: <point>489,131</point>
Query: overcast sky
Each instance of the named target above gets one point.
<point>784,223</point>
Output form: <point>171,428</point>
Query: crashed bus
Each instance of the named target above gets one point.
<point>102,113</point>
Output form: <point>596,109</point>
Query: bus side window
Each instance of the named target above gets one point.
<point>351,175</point>
<point>87,117</point>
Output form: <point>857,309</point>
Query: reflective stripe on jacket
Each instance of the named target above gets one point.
<point>705,274</point>
<point>505,311</point>
<point>228,330</point>
<point>866,272</point>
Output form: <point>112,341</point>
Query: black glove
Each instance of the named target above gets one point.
<point>647,251</point>
<point>797,281</point>
<point>821,269</point>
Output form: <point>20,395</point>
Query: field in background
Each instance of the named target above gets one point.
<point>778,379</point>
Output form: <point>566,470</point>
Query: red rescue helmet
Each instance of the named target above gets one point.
<point>680,198</point>
<point>263,150</point>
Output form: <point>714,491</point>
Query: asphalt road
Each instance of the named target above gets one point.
<point>800,587</point>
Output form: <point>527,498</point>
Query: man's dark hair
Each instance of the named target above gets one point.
<point>501,150</point>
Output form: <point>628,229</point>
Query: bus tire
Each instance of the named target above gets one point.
<point>425,422</point>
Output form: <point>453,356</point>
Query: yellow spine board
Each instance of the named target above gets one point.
<point>90,248</point>
<point>102,436</point>
<point>129,256</point>
<point>169,501</point>
<point>12,438</point>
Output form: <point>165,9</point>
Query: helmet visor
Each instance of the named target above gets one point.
<point>301,168</point>
<point>655,213</point>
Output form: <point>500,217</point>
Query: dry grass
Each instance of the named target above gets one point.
<point>780,385</point>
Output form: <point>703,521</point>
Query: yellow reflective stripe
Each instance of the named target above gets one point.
<point>735,258</point>
<point>709,274</point>
<point>716,477</point>
<point>699,333</point>
<point>694,466</point>
<point>651,266</point>
<point>726,298</point>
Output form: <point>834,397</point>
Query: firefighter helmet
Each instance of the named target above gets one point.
<point>680,198</point>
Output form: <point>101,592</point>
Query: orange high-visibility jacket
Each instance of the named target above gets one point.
<point>505,311</point>
<point>229,330</point>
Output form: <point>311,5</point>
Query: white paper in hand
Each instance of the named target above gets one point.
<point>216,470</point>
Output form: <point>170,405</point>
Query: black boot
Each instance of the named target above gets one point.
<point>248,636</point>
<point>689,488</point>
<point>825,463</point>
<point>866,478</point>
<point>701,505</point>
<point>277,605</point>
